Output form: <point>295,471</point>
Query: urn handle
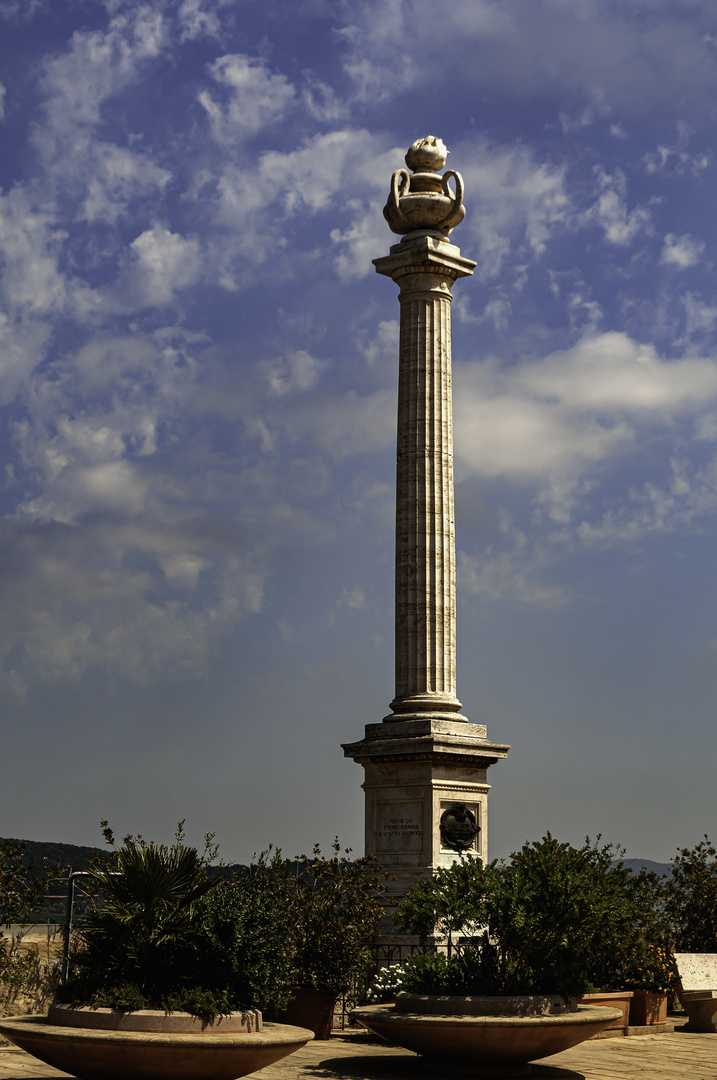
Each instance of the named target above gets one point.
<point>458,211</point>
<point>400,185</point>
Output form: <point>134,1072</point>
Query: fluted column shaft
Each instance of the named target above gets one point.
<point>425,639</point>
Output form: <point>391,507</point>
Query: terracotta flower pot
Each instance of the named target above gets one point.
<point>312,1009</point>
<point>617,999</point>
<point>648,1008</point>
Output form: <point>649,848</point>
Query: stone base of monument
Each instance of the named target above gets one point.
<point>93,1053</point>
<point>483,1037</point>
<point>420,774</point>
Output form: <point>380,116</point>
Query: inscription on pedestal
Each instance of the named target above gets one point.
<point>400,827</point>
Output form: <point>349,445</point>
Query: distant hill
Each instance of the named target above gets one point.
<point>636,865</point>
<point>76,856</point>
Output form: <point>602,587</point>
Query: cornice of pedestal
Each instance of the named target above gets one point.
<point>424,253</point>
<point>454,741</point>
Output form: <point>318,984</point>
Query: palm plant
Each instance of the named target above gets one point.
<point>136,948</point>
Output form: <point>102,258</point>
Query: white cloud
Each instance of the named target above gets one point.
<point>91,420</point>
<point>96,66</point>
<point>115,176</point>
<point>681,251</point>
<point>610,211</point>
<point>23,342</point>
<point>30,243</point>
<point>343,425</point>
<point>577,50</point>
<point>123,599</point>
<point>597,108</point>
<point>553,422</point>
<point>353,599</point>
<point>676,159</point>
<point>109,559</point>
<point>197,22</point>
<point>612,374</point>
<point>700,317</point>
<point>509,574</point>
<point>514,199</point>
<point>297,371</point>
<point>254,207</point>
<point>257,97</point>
<point>686,494</point>
<point>104,177</point>
<point>165,263</point>
<point>360,241</point>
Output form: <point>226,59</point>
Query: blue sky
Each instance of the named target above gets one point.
<point>198,379</point>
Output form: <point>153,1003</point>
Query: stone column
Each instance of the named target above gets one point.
<point>424,268</point>
<point>425,765</point>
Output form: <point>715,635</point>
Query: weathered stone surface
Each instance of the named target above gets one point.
<point>698,971</point>
<point>117,1055</point>
<point>174,1023</point>
<point>425,642</point>
<point>697,989</point>
<point>422,202</point>
<point>487,1046</point>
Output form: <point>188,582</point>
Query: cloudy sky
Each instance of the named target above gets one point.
<point>198,381</point>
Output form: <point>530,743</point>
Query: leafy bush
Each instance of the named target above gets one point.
<point>552,920</point>
<point>22,888</point>
<point>246,943</point>
<point>655,971</point>
<point>169,934</point>
<point>335,906</point>
<point>136,949</point>
<point>690,898</point>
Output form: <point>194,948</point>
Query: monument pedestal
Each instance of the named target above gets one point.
<point>416,773</point>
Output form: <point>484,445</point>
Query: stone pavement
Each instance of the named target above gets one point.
<point>361,1056</point>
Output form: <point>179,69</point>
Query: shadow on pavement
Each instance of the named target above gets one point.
<point>381,1067</point>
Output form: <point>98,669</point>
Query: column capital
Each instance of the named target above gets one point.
<point>425,255</point>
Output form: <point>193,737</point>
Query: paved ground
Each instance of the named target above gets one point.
<point>678,1056</point>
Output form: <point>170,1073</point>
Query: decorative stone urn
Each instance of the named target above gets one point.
<point>145,1045</point>
<point>422,203</point>
<point>484,1036</point>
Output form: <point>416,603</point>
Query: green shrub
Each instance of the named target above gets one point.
<point>552,920</point>
<point>169,934</point>
<point>246,942</point>
<point>136,948</point>
<point>690,898</point>
<point>22,888</point>
<point>335,907</point>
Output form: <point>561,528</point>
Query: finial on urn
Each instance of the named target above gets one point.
<point>422,203</point>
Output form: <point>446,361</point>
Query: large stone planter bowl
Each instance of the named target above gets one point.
<point>468,1042</point>
<point>96,1054</point>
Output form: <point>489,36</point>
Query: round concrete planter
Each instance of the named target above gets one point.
<point>96,1054</point>
<point>461,1037</point>
<point>150,1020</point>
